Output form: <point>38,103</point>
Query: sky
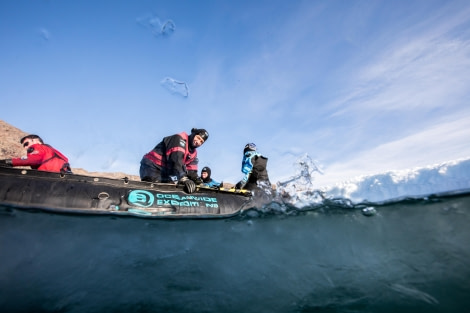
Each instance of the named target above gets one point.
<point>361,87</point>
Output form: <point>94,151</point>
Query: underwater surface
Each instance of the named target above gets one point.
<point>410,256</point>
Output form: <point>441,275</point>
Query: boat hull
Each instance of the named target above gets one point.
<point>69,193</point>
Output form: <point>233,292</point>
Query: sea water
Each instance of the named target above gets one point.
<point>410,256</point>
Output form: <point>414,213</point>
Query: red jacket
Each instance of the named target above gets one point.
<point>44,158</point>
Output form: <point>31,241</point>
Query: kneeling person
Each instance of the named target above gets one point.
<point>174,159</point>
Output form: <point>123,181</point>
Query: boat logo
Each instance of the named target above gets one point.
<point>141,198</point>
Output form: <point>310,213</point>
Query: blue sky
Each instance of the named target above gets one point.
<point>360,86</point>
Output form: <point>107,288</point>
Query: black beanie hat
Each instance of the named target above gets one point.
<point>207,170</point>
<point>201,132</point>
<point>249,147</point>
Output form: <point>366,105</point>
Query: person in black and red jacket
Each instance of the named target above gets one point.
<point>40,156</point>
<point>174,159</point>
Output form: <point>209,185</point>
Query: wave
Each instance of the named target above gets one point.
<point>317,201</point>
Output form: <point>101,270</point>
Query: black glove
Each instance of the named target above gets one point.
<point>6,163</point>
<point>198,181</point>
<point>192,175</point>
<point>239,185</point>
<point>189,185</point>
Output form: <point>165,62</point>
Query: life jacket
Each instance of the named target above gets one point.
<point>160,154</point>
<point>55,161</point>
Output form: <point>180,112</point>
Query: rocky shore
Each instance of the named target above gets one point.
<point>10,147</point>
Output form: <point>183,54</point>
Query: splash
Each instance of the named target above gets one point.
<point>175,86</point>
<point>299,190</point>
<point>157,27</point>
<point>44,34</point>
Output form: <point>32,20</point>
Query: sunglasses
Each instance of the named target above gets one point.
<point>26,144</point>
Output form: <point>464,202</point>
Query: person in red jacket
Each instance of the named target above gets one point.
<point>174,159</point>
<point>40,156</point>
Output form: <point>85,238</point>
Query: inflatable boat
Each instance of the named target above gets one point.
<point>81,194</point>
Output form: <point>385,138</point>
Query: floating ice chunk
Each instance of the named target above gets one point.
<point>369,211</point>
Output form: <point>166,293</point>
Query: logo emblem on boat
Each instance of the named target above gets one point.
<point>141,198</point>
